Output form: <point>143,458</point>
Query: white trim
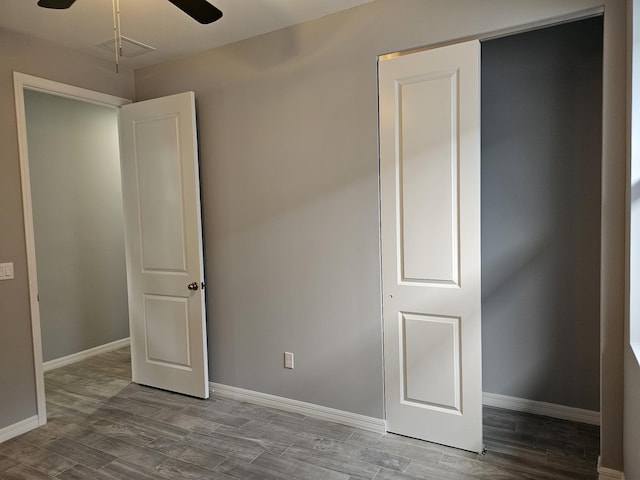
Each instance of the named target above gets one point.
<point>92,352</point>
<point>567,18</point>
<point>504,32</point>
<point>19,428</point>
<point>69,91</point>
<point>609,473</point>
<point>29,82</point>
<point>377,425</point>
<point>541,408</point>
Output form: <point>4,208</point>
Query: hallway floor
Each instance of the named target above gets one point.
<point>102,427</point>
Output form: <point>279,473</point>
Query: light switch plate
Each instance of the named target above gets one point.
<point>6,271</point>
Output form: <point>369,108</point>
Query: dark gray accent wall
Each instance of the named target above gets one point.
<point>541,162</point>
<point>74,167</point>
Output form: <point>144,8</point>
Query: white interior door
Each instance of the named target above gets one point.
<point>163,237</point>
<point>430,208</point>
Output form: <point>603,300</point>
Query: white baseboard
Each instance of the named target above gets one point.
<point>541,408</point>
<point>608,473</point>
<point>19,428</point>
<point>372,424</point>
<point>76,357</point>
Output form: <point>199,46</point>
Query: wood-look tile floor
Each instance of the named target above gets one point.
<point>102,427</point>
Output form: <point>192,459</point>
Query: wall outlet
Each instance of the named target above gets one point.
<point>6,271</point>
<point>288,360</point>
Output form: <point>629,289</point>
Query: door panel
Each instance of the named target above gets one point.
<point>431,350</point>
<point>428,190</point>
<point>163,237</point>
<point>166,322</point>
<point>158,163</point>
<point>430,213</point>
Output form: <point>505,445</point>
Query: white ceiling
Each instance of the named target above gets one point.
<point>160,24</point>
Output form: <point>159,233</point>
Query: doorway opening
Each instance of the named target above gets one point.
<point>74,169</point>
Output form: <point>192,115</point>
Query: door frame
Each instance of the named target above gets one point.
<point>22,82</point>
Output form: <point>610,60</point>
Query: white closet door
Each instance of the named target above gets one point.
<point>430,208</point>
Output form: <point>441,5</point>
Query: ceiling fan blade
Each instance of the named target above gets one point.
<point>57,4</point>
<point>200,10</point>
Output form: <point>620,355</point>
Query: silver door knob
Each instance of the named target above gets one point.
<point>193,286</point>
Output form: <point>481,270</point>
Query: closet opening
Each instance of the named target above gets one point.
<point>541,151</point>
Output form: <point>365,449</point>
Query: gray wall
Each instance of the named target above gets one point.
<point>541,159</point>
<point>288,142</point>
<point>612,253</point>
<point>632,338</point>
<point>74,166</point>
<point>32,56</point>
